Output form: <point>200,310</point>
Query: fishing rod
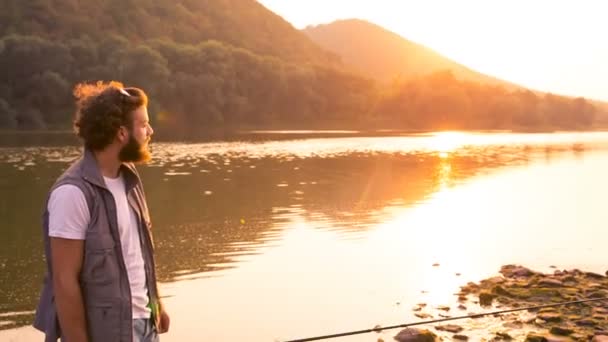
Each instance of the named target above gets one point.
<point>406,325</point>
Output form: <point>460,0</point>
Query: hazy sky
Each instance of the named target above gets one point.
<point>550,45</point>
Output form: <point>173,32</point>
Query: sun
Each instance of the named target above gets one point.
<point>445,142</point>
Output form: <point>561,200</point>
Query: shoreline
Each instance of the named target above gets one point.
<point>520,287</point>
<point>514,287</point>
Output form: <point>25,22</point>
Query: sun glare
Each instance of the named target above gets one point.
<point>524,42</point>
<point>446,142</point>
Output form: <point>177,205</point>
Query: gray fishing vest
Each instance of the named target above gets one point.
<point>104,282</point>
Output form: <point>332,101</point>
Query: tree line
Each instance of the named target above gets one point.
<point>215,84</point>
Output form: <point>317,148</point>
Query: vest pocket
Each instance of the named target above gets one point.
<point>103,321</point>
<point>100,265</point>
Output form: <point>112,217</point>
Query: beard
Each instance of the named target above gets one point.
<point>134,152</point>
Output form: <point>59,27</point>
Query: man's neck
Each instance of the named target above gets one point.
<point>108,163</point>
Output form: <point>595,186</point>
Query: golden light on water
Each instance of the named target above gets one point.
<point>324,253</point>
<point>447,229</point>
<point>445,171</point>
<point>445,142</point>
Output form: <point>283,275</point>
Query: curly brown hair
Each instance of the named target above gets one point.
<point>102,108</point>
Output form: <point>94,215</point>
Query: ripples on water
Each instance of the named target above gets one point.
<point>217,204</point>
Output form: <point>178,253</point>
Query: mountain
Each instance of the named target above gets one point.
<point>245,24</point>
<point>601,116</point>
<point>204,62</point>
<point>233,64</point>
<point>384,55</point>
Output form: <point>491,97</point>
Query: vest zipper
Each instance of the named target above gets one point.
<point>114,230</point>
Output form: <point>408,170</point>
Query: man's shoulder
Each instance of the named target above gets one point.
<point>73,171</point>
<point>73,179</point>
<point>66,190</point>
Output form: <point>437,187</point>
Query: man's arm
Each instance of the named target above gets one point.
<point>66,256</point>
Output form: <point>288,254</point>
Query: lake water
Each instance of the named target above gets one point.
<point>302,235</point>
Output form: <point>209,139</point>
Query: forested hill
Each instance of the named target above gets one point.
<point>241,23</point>
<point>232,63</point>
<point>204,62</point>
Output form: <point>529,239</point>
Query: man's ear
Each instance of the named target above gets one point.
<point>123,134</point>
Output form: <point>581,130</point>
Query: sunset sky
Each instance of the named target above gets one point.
<point>549,45</point>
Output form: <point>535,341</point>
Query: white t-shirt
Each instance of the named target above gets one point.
<point>69,218</point>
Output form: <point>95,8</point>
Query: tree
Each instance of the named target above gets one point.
<point>8,117</point>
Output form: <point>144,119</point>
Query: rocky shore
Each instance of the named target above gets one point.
<point>520,287</point>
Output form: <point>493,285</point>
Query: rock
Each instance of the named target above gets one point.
<point>416,308</point>
<point>436,265</point>
<point>569,279</point>
<point>474,315</point>
<point>486,298</point>
<point>494,281</point>
<point>599,317</point>
<point>552,338</point>
<point>550,316</point>
<point>574,317</point>
<point>549,282</point>
<point>453,328</point>
<point>528,319</point>
<point>575,272</point>
<point>472,285</point>
<point>533,337</point>
<point>443,308</point>
<point>423,315</point>
<point>585,322</point>
<point>594,275</point>
<point>544,292</point>
<point>509,302</point>
<point>460,337</point>
<point>513,292</point>
<point>521,287</point>
<point>503,336</point>
<point>598,294</point>
<point>501,291</point>
<point>513,325</point>
<point>462,307</point>
<point>561,331</point>
<point>514,271</point>
<point>415,335</point>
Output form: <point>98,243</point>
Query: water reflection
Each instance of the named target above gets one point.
<point>215,205</point>
<point>201,214</point>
